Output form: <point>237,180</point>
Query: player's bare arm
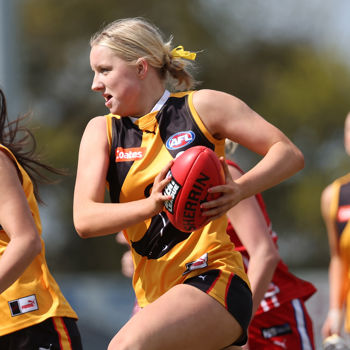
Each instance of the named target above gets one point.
<point>24,238</point>
<point>92,216</point>
<point>226,116</point>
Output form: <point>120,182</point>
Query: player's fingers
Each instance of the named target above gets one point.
<point>163,173</point>
<point>166,169</point>
<point>165,181</point>
<point>215,210</point>
<point>220,189</point>
<point>213,214</point>
<point>228,177</point>
<point>222,201</point>
<point>162,179</point>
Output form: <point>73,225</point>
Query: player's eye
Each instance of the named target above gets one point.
<point>104,70</point>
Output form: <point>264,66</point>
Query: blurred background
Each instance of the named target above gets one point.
<point>289,61</point>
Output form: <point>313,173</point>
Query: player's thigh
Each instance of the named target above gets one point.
<point>183,318</point>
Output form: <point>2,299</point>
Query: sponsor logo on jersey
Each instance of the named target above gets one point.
<point>200,263</point>
<point>344,213</point>
<point>180,139</point>
<point>129,154</point>
<point>23,305</point>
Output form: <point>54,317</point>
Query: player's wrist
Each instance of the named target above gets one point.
<point>335,317</point>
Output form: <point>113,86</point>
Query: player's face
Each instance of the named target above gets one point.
<point>116,79</point>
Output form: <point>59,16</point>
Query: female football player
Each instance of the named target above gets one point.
<point>335,202</point>
<point>33,312</point>
<point>192,287</point>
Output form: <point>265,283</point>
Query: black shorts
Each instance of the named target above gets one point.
<point>58,333</point>
<point>238,297</point>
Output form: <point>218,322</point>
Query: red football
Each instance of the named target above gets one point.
<point>193,172</point>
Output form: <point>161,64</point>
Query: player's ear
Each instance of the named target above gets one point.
<point>142,67</point>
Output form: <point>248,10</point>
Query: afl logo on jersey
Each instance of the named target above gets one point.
<point>180,139</point>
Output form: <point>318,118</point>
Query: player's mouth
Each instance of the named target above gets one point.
<point>108,99</point>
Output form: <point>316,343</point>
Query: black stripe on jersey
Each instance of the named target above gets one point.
<point>125,134</point>
<point>159,238</point>
<point>344,199</point>
<point>175,116</point>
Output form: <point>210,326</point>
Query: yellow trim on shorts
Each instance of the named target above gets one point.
<point>63,335</point>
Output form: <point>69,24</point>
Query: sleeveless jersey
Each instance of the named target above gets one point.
<point>284,285</point>
<point>35,296</point>
<point>340,214</point>
<point>164,256</point>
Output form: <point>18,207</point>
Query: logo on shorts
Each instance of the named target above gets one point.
<point>200,263</point>
<point>180,139</point>
<point>129,154</point>
<point>23,305</point>
<point>276,331</point>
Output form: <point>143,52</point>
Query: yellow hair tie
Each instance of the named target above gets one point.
<point>180,52</point>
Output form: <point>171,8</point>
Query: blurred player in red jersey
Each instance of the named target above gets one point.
<point>280,319</point>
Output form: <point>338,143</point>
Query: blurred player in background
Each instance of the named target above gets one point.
<point>280,317</point>
<point>33,312</point>
<point>335,209</point>
<point>192,287</point>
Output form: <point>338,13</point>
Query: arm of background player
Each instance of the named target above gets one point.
<point>18,223</point>
<point>336,268</point>
<point>250,225</point>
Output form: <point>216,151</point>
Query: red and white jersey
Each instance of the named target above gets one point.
<point>284,285</point>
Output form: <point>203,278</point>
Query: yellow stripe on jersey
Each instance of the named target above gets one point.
<point>64,339</point>
<point>220,144</point>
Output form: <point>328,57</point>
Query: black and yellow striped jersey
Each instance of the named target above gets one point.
<point>164,256</point>
<point>35,295</point>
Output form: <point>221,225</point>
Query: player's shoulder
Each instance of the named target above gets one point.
<point>8,166</point>
<point>217,105</point>
<point>327,197</point>
<point>96,125</point>
<point>328,191</point>
<point>96,121</point>
<point>5,156</point>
